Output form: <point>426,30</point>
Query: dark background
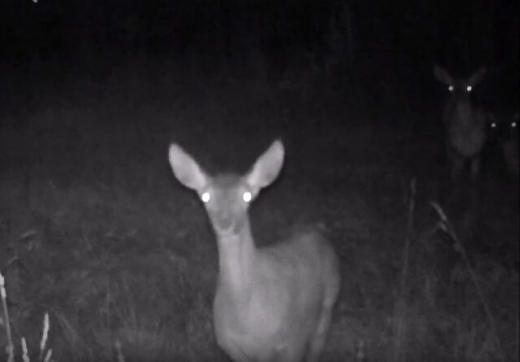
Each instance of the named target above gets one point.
<point>465,33</point>
<point>353,46</point>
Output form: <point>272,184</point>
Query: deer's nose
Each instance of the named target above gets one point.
<point>224,220</point>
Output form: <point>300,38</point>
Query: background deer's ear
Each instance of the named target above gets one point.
<point>477,77</point>
<point>186,169</point>
<point>267,168</point>
<point>442,75</point>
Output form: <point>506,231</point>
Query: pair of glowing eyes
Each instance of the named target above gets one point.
<point>246,196</point>
<point>494,125</point>
<point>468,88</point>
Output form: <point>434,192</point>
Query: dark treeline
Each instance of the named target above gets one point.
<point>479,31</point>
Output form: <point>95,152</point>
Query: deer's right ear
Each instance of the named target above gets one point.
<point>442,75</point>
<point>186,169</point>
<point>477,77</point>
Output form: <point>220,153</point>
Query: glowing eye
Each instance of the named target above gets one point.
<point>205,197</point>
<point>513,125</point>
<point>469,88</point>
<point>451,88</point>
<point>493,125</point>
<point>247,196</point>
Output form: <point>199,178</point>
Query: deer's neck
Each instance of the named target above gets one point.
<point>236,262</point>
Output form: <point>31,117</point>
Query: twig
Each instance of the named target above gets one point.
<point>10,346</point>
<point>445,225</point>
<point>400,307</point>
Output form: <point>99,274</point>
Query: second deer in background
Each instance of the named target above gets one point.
<point>504,131</point>
<point>465,123</point>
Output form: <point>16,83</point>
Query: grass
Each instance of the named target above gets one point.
<point>95,230</point>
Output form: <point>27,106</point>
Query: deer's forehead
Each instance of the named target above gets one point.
<point>227,183</point>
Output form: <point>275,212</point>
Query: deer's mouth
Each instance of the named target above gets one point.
<point>226,233</point>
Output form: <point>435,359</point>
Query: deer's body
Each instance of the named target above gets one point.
<point>272,303</point>
<point>465,124</point>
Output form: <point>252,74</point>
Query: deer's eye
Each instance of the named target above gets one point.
<point>247,196</point>
<point>469,88</point>
<point>205,197</point>
<point>451,88</point>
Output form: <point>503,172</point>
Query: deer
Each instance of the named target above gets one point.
<point>465,123</point>
<point>274,302</point>
<point>504,132</point>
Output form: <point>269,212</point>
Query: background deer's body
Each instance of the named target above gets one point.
<point>504,130</point>
<point>465,124</point>
<point>272,303</point>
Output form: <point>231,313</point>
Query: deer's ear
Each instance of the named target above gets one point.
<point>267,168</point>
<point>442,75</point>
<point>186,169</point>
<point>477,77</point>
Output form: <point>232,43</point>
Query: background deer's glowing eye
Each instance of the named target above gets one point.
<point>513,124</point>
<point>451,88</point>
<point>205,197</point>
<point>493,125</point>
<point>247,196</point>
<point>469,88</point>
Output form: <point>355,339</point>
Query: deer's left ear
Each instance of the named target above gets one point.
<point>267,168</point>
